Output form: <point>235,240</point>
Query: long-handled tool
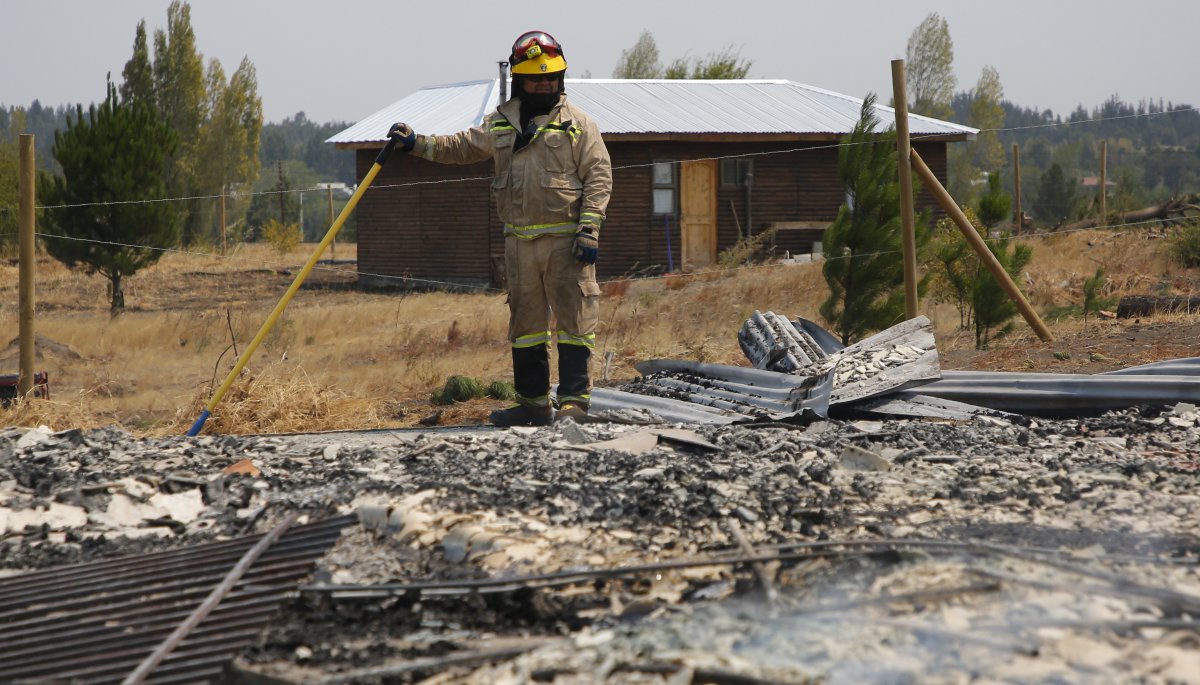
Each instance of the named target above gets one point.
<point>380,160</point>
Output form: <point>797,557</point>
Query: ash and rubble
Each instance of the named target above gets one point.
<point>1083,566</point>
<point>761,542</point>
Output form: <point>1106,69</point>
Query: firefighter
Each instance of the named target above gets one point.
<point>552,185</point>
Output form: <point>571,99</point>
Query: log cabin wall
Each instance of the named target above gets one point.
<point>436,224</point>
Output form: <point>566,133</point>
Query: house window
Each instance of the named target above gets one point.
<point>734,172</point>
<point>665,188</point>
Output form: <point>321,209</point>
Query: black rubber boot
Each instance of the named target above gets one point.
<point>531,374</point>
<point>522,415</point>
<point>574,384</point>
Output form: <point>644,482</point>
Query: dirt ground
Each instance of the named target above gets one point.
<point>358,348</point>
<point>1103,346</point>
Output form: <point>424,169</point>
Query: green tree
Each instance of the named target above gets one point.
<point>218,123</point>
<point>138,76</point>
<point>10,169</point>
<point>992,307</point>
<point>953,267</point>
<point>930,68</point>
<point>987,114</point>
<point>727,64</point>
<point>863,263</point>
<point>97,217</point>
<point>641,60</point>
<point>1093,296</point>
<point>1055,195</point>
<point>967,160</point>
<point>995,205</point>
<point>229,138</point>
<point>181,98</point>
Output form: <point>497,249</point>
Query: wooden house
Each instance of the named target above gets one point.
<point>697,165</point>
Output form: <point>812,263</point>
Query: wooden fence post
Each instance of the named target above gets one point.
<point>904,169</point>
<point>28,175</point>
<point>1103,182</point>
<point>332,243</point>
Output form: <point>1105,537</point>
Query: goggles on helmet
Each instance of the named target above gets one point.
<point>535,44</point>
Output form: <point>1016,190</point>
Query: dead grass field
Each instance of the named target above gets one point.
<point>342,358</point>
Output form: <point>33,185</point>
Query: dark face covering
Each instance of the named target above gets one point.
<point>535,104</point>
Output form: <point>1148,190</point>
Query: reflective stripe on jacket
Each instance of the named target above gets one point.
<point>560,178</point>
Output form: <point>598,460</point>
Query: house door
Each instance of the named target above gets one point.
<point>698,213</point>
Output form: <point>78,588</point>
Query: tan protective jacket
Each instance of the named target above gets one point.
<point>562,177</point>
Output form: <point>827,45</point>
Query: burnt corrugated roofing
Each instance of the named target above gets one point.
<point>652,106</point>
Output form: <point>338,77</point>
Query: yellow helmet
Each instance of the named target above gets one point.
<point>536,52</point>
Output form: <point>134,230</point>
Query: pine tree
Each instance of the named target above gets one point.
<point>97,214</point>
<point>864,266</point>
<point>1055,195</point>
<point>995,205</point>
<point>992,308</point>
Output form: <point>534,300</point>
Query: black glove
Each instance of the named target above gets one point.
<point>404,136</point>
<point>587,244</point>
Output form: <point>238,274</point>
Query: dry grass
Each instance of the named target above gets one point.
<point>339,358</point>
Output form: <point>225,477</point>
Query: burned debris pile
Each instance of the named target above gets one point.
<point>894,373</point>
<point>797,522</point>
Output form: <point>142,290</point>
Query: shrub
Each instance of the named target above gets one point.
<point>499,390</point>
<point>283,237</point>
<point>1093,299</point>
<point>466,388</point>
<point>459,389</point>
<point>745,250</point>
<point>1185,245</point>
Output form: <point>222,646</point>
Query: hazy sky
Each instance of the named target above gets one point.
<point>345,60</point>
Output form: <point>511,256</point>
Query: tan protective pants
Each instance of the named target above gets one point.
<point>545,282</point>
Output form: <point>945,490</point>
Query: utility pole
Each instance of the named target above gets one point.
<point>1020,219</point>
<point>279,170</point>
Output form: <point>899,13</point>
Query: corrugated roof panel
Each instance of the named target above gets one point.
<point>652,106</point>
<point>436,110</point>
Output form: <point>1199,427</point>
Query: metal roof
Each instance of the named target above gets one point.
<point>653,106</point>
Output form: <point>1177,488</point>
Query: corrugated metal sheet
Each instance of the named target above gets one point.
<point>691,392</point>
<point>652,106</point>
<point>1062,394</point>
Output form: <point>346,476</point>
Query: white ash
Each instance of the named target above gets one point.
<point>1115,492</point>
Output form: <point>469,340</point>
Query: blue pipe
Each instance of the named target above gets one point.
<point>195,429</point>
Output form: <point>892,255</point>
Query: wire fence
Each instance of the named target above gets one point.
<point>466,179</point>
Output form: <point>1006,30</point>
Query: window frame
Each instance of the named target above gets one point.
<point>743,168</point>
<point>656,186</point>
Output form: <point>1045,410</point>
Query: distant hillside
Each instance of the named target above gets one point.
<point>1153,147</point>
